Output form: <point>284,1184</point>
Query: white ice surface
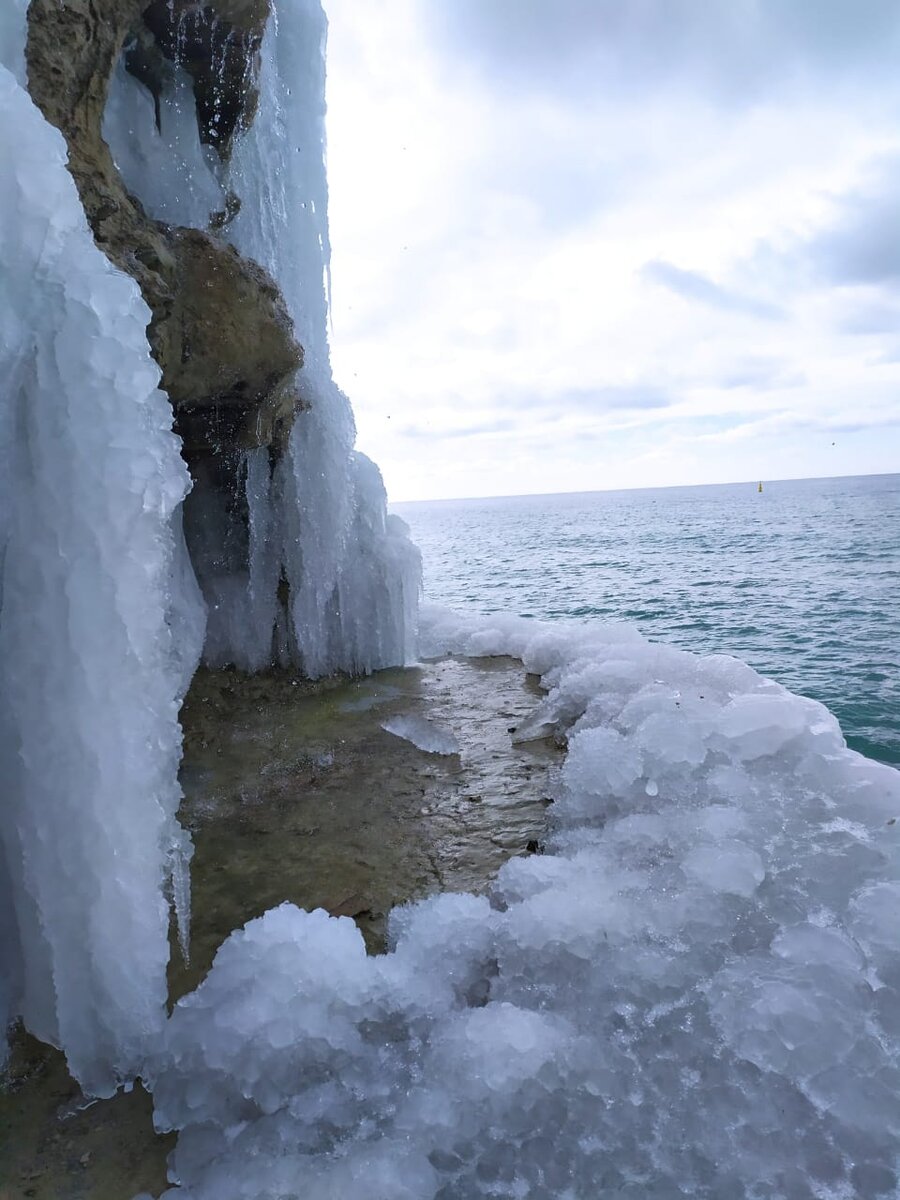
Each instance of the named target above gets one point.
<point>424,733</point>
<point>694,992</point>
<point>99,630</point>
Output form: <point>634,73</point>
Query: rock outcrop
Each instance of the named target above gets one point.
<point>220,330</point>
<point>218,44</point>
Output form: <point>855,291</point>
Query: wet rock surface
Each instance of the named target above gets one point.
<point>56,1146</point>
<point>218,44</point>
<point>307,798</point>
<point>220,330</point>
<point>294,791</point>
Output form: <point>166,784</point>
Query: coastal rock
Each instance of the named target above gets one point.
<point>220,330</point>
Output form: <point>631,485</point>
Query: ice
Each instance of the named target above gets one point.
<point>240,582</point>
<point>320,520</point>
<point>693,992</point>
<point>101,618</point>
<point>353,573</point>
<point>424,733</point>
<point>99,626</point>
<point>12,38</point>
<point>167,168</point>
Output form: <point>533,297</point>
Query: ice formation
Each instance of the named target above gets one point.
<point>424,733</point>
<point>101,619</point>
<point>99,626</point>
<point>694,992</point>
<point>352,570</point>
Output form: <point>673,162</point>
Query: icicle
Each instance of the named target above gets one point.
<point>180,855</point>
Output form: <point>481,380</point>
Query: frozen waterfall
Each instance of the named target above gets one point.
<point>693,992</point>
<point>353,573</point>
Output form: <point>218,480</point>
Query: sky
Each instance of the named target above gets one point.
<point>590,244</point>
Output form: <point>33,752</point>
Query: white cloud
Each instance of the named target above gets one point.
<point>548,277</point>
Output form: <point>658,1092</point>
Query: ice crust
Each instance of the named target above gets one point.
<point>321,519</point>
<point>424,733</point>
<point>99,627</point>
<point>694,992</point>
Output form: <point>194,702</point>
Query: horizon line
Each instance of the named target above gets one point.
<point>643,488</point>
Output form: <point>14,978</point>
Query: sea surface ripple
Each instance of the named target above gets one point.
<point>801,580</point>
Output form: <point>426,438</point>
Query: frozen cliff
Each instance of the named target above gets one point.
<point>186,281</point>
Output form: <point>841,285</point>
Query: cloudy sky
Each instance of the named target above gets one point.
<point>586,244</point>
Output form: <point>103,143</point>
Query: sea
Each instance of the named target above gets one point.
<point>801,580</point>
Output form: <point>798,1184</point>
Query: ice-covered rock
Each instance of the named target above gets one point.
<point>694,992</point>
<point>100,621</point>
<point>353,575</point>
<point>424,733</point>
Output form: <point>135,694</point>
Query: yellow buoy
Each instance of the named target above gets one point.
<point>759,489</point>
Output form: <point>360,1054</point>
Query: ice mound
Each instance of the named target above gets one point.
<point>424,734</point>
<point>695,992</point>
<point>100,622</point>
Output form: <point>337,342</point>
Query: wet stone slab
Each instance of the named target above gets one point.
<point>307,798</point>
<point>295,792</point>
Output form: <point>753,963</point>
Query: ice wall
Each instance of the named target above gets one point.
<point>93,584</point>
<point>694,992</point>
<point>353,573</point>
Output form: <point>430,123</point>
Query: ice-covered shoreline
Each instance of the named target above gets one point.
<point>693,992</point>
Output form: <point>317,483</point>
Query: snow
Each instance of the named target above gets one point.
<point>99,627</point>
<point>693,992</point>
<point>424,733</point>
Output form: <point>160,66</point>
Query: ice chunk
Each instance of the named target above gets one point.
<point>424,733</point>
<point>726,866</point>
<point>757,725</point>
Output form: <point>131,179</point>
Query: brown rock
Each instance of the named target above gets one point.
<point>220,330</point>
<point>218,44</point>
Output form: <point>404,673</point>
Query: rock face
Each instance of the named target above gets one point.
<point>218,44</point>
<point>220,330</point>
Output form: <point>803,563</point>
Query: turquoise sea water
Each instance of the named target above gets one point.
<point>802,581</point>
